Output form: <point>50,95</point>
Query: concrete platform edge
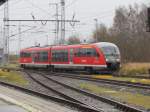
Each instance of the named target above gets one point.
<point>15,102</point>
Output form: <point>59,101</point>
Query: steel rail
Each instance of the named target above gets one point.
<point>60,93</point>
<point>108,81</point>
<point>53,90</point>
<point>69,103</point>
<point>118,105</point>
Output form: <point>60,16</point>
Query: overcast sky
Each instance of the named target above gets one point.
<point>85,11</point>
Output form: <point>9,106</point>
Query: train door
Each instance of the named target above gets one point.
<point>33,56</point>
<point>71,56</point>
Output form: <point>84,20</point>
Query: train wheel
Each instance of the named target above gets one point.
<point>48,67</point>
<point>89,70</point>
<point>52,68</point>
<point>115,67</point>
<point>23,66</point>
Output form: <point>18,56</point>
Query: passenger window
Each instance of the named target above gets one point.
<point>86,52</point>
<point>77,52</point>
<point>25,55</point>
<point>60,55</point>
<point>89,52</point>
<point>41,56</point>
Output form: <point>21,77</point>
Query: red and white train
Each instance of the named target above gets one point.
<point>89,57</point>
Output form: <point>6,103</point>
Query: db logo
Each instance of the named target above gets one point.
<point>83,61</point>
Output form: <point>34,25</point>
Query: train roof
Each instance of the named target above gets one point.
<point>100,44</point>
<point>104,44</point>
<point>35,48</point>
<point>73,46</point>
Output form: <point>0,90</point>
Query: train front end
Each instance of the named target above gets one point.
<point>112,55</point>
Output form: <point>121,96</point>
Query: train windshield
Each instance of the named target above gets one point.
<point>110,50</point>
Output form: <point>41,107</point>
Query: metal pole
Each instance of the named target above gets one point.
<point>96,33</point>
<point>1,43</point>
<point>27,20</point>
<point>62,22</point>
<point>6,34</point>
<point>57,24</point>
<point>19,39</point>
<point>1,35</point>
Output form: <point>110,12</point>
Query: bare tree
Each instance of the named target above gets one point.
<point>73,40</point>
<point>129,33</point>
<point>101,33</point>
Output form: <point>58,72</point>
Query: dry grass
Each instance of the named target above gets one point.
<point>13,77</point>
<point>123,96</point>
<point>134,68</point>
<point>130,69</point>
<point>133,80</point>
<point>12,66</point>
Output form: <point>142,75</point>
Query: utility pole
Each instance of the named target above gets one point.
<point>96,33</point>
<point>1,35</point>
<point>6,34</point>
<point>57,24</point>
<point>19,38</point>
<point>62,40</point>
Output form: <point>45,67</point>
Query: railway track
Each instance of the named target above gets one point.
<point>88,78</point>
<point>123,107</point>
<point>72,104</point>
<point>118,105</point>
<point>107,81</point>
<point>72,94</point>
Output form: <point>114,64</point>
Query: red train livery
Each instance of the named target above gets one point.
<point>87,57</point>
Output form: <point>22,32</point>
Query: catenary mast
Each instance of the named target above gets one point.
<point>6,33</point>
<point>62,40</point>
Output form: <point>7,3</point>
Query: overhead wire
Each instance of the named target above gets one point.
<point>22,32</point>
<point>34,27</point>
<point>11,4</point>
<point>14,2</point>
<point>44,23</point>
<point>41,9</point>
<point>30,29</point>
<point>72,3</point>
<point>36,6</point>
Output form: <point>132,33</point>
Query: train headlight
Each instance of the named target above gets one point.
<point>107,60</point>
